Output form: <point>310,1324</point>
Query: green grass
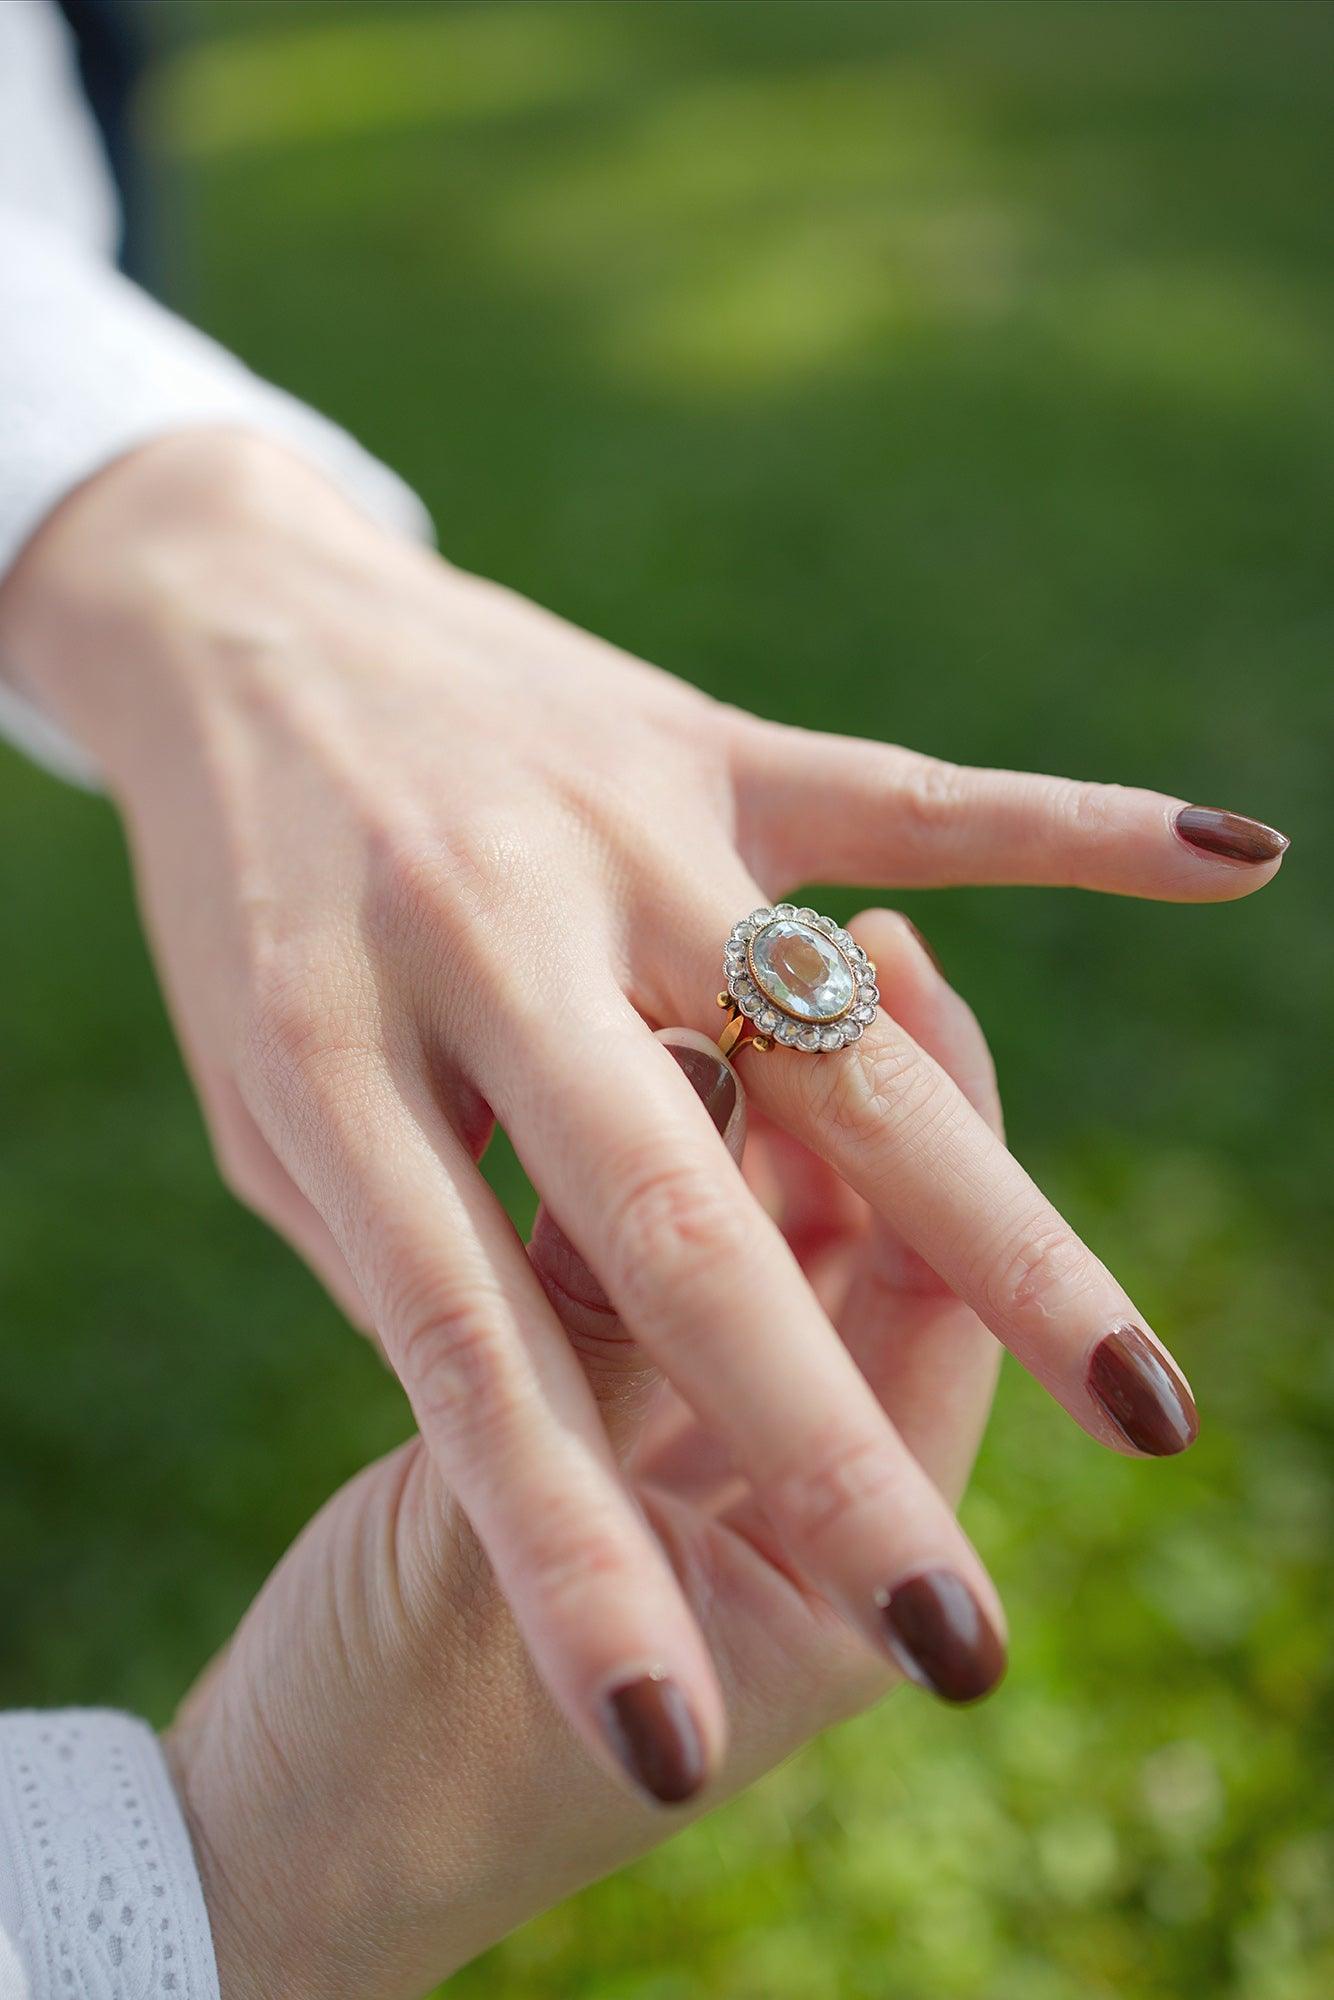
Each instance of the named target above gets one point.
<point>959,374</point>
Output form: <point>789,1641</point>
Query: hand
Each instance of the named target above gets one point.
<point>378,1787</point>
<point>414,855</point>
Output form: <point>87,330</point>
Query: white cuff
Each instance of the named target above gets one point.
<point>99,1892</point>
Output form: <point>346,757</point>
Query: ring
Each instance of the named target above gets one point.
<point>796,979</point>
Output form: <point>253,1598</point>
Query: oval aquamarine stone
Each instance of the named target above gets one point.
<point>801,971</point>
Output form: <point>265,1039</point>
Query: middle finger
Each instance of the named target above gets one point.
<point>626,1158</point>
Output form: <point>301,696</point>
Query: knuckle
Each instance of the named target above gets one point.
<point>931,793</point>
<point>463,872</point>
<point>884,1085</point>
<point>407,888</point>
<point>1067,817</point>
<point>885,1076</point>
<point>456,1371</point>
<point>1036,1275</point>
<point>821,1498</point>
<point>417,910</point>
<point>280,1033</point>
<point>573,1551</point>
<point>667,1222</point>
<point>1090,810</point>
<point>442,904</point>
<point>290,1040</point>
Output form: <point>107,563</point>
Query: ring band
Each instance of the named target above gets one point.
<point>795,979</point>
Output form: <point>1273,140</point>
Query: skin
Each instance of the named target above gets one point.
<point>376,1783</point>
<point>415,855</point>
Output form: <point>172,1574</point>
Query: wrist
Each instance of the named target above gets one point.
<point>167,571</point>
<point>272,1932</point>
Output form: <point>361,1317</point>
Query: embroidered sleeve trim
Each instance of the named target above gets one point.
<point>107,1888</point>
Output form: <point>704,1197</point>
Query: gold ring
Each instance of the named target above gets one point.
<point>795,980</point>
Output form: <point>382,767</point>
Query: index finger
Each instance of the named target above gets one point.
<point>921,822</point>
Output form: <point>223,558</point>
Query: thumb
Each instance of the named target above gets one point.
<point>621,1375</point>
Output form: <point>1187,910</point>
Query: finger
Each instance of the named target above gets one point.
<point>929,1358</point>
<point>632,1170</point>
<point>824,1226</point>
<point>891,1122</point>
<point>917,822</point>
<point>257,1177</point>
<point>623,1379</point>
<point>822,1220</point>
<point>510,1421</point>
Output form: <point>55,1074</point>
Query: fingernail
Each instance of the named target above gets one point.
<point>1142,1393</point>
<point>1230,835</point>
<point>710,1078</point>
<point>655,1736</point>
<point>926,945</point>
<point>940,1636</point>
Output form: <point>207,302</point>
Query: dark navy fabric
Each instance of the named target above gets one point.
<point>113,52</point>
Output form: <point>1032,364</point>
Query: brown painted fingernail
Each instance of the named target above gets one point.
<point>940,1636</point>
<point>926,945</point>
<point>1142,1393</point>
<point>1230,836</point>
<point>655,1736</point>
<point>710,1078</point>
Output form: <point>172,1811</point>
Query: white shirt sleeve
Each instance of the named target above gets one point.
<point>90,366</point>
<point>99,1892</point>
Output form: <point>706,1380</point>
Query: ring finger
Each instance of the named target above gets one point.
<point>892,1124</point>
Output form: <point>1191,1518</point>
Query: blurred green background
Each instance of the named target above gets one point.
<point>953,373</point>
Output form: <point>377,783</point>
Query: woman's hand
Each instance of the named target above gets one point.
<point>417,856</point>
<point>377,1785</point>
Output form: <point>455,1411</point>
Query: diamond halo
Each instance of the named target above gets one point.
<point>795,979</point>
